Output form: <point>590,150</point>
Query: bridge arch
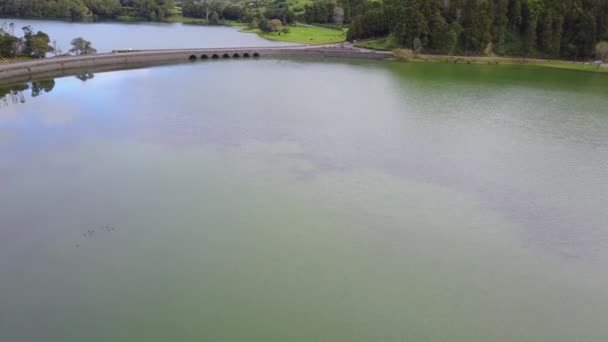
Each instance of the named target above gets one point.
<point>255,54</point>
<point>246,55</point>
<point>225,55</point>
<point>192,57</point>
<point>236,55</point>
<point>204,56</point>
<point>215,56</point>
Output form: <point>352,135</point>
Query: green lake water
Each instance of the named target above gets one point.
<point>306,200</point>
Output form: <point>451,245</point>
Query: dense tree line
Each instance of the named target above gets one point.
<point>553,28</point>
<point>323,12</point>
<point>277,9</point>
<point>211,10</point>
<point>258,13</point>
<point>35,44</point>
<point>15,93</point>
<point>550,28</point>
<point>32,44</point>
<point>87,9</point>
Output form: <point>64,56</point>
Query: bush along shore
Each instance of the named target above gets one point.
<point>35,45</point>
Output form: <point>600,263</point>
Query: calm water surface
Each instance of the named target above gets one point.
<point>306,201</point>
<point>108,36</point>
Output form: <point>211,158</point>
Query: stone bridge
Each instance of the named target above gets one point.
<point>66,65</point>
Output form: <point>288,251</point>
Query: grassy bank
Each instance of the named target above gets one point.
<point>381,44</point>
<point>304,34</point>
<point>407,55</point>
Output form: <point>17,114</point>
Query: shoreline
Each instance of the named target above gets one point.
<point>134,20</point>
<point>299,33</point>
<point>545,63</point>
<point>408,55</point>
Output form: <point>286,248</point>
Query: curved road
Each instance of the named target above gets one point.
<point>117,60</point>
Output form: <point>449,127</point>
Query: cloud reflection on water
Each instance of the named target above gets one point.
<point>533,161</point>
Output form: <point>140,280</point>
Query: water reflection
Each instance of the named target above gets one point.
<point>235,204</point>
<point>528,144</point>
<point>85,76</point>
<point>17,93</point>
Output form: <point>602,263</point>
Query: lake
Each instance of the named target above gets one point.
<point>306,200</point>
<point>108,36</point>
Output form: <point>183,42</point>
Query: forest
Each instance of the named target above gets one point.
<point>549,28</point>
<point>78,10</point>
<point>569,29</point>
<point>31,45</point>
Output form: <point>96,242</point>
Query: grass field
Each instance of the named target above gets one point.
<point>382,44</point>
<point>305,35</point>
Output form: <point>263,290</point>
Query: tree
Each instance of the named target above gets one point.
<point>215,18</point>
<point>279,9</point>
<point>601,51</point>
<point>151,9</point>
<point>338,15</point>
<point>232,12</point>
<point>9,45</point>
<point>417,45</point>
<point>452,38</point>
<point>264,25</point>
<point>500,24</point>
<point>412,23</point>
<point>439,35</point>
<point>369,25</point>
<point>206,8</point>
<point>352,8</point>
<point>275,25</point>
<point>87,9</point>
<point>319,11</point>
<point>80,46</point>
<point>85,76</point>
<point>555,28</point>
<point>35,45</point>
<point>103,8</point>
<point>560,28</point>
<point>56,49</point>
<point>476,22</point>
<point>44,86</point>
<point>530,13</point>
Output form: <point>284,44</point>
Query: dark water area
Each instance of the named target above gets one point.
<point>273,200</point>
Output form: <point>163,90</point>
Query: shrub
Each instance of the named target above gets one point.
<point>601,51</point>
<point>404,54</point>
<point>275,25</point>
